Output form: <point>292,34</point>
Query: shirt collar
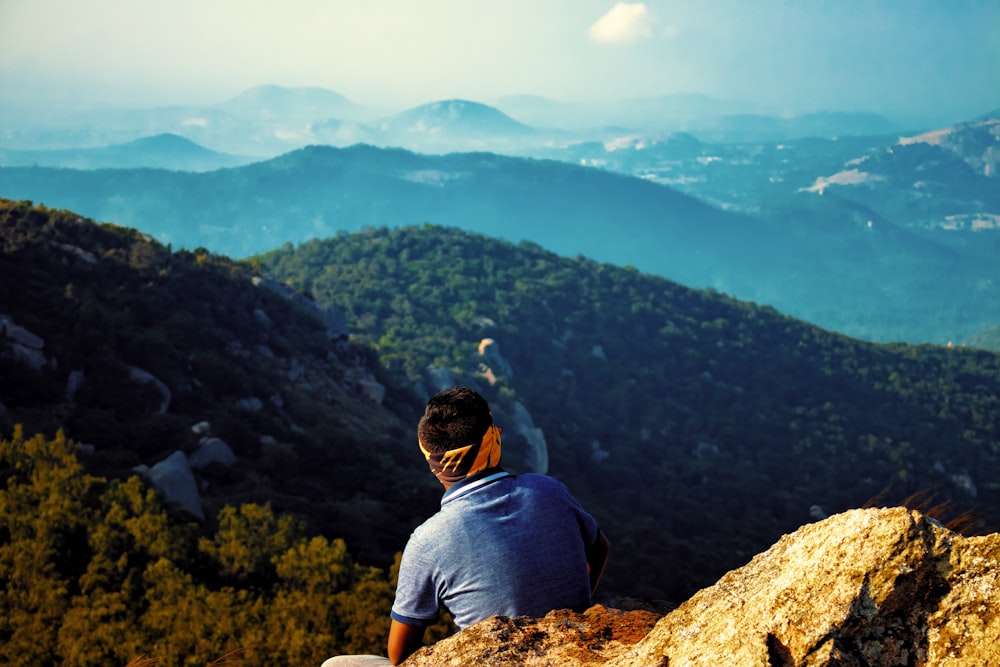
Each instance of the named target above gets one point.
<point>477,481</point>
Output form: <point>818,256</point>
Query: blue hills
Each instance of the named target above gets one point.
<point>161,151</point>
<point>820,260</point>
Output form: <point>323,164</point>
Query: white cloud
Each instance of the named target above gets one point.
<point>626,22</point>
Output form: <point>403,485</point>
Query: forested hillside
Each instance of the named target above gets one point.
<point>95,567</point>
<point>696,427</point>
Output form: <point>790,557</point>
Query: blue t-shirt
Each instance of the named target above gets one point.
<point>504,544</point>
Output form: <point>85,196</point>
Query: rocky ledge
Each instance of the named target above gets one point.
<point>872,587</point>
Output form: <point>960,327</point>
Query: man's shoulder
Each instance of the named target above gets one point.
<point>538,481</point>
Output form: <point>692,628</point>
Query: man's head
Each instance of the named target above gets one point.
<point>457,435</point>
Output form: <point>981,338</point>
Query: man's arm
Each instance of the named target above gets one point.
<point>404,640</point>
<point>597,558</point>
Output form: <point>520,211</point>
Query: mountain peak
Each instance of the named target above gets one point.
<point>270,93</point>
<point>456,116</point>
<point>299,105</point>
<point>166,140</point>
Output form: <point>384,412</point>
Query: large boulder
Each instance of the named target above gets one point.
<point>15,333</point>
<point>174,479</point>
<point>212,452</point>
<point>866,587</point>
<point>21,345</point>
<point>871,587</point>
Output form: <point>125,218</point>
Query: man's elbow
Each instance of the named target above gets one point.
<point>404,640</point>
<point>597,558</point>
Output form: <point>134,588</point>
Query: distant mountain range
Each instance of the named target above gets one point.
<point>266,121</point>
<point>439,127</point>
<point>946,180</point>
<point>884,236</point>
<point>163,151</point>
<point>320,191</point>
<point>843,264</point>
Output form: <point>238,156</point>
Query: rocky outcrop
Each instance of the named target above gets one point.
<point>360,379</point>
<point>85,256</point>
<point>333,321</point>
<point>494,365</point>
<point>560,638</point>
<point>173,478</point>
<point>160,401</point>
<point>212,452</point>
<point>537,459</point>
<point>23,346</point>
<point>435,379</point>
<point>872,587</point>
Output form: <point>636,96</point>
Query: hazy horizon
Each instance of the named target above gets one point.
<point>927,60</point>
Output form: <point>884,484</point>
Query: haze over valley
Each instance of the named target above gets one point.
<point>880,236</point>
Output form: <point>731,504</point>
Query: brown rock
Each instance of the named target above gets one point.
<point>561,638</point>
<point>867,587</point>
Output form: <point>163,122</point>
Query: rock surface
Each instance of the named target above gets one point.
<point>173,477</point>
<point>489,350</point>
<point>160,399</point>
<point>872,587</point>
<point>537,459</point>
<point>23,346</point>
<point>212,451</point>
<point>560,638</point>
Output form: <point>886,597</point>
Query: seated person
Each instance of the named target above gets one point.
<point>517,545</point>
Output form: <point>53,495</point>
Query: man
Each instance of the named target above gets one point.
<point>517,545</point>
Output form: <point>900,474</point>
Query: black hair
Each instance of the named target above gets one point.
<point>454,418</point>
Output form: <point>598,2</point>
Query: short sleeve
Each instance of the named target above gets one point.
<point>416,600</point>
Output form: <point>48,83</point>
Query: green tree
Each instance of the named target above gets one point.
<point>44,515</point>
<point>249,541</point>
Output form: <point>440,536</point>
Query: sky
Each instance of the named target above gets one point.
<point>903,58</point>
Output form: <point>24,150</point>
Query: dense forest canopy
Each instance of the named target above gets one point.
<point>722,422</point>
<point>97,572</point>
<point>696,427</point>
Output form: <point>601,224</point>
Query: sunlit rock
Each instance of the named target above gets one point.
<point>561,639</point>
<point>866,587</point>
<point>489,350</point>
